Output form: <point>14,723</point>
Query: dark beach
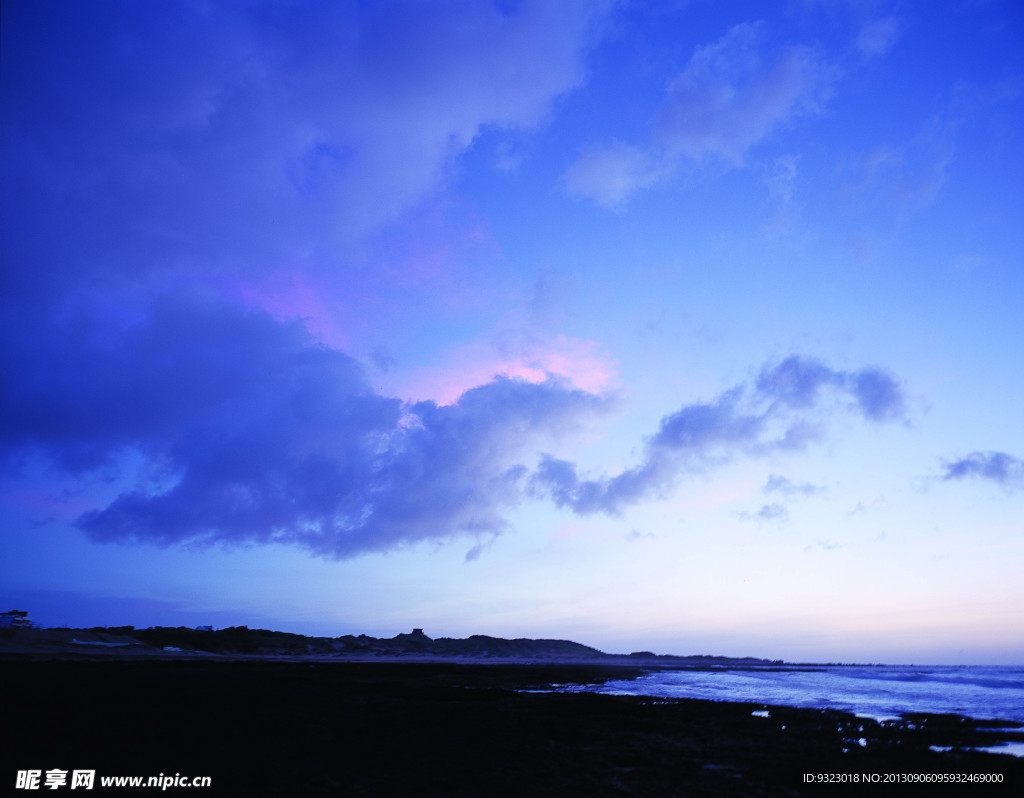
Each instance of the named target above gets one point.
<point>290,728</point>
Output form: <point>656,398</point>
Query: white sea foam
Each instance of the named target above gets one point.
<point>881,692</point>
<point>1011,748</point>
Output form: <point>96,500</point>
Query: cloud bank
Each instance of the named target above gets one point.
<point>250,431</point>
<point>220,424</point>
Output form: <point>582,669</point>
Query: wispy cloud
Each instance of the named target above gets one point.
<point>910,176</point>
<point>767,512</point>
<point>781,181</point>
<point>732,94</point>
<point>779,484</point>
<point>997,467</point>
<point>636,535</point>
<point>823,545</point>
<point>777,511</point>
<point>766,417</point>
<point>611,174</point>
<point>872,26</point>
<point>879,35</point>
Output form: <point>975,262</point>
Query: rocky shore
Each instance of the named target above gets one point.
<point>343,728</point>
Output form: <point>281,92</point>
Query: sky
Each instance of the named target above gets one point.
<point>689,327</point>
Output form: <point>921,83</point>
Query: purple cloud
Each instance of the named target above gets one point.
<point>241,137</point>
<point>249,430</point>
<point>998,467</point>
<point>163,163</point>
<point>224,425</point>
<point>754,421</point>
<point>798,382</point>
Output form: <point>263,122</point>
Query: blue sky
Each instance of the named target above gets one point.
<point>692,327</point>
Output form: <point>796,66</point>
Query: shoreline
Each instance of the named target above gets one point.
<point>262,727</point>
<point>120,642</point>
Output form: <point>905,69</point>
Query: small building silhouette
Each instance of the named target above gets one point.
<point>415,636</point>
<point>15,619</point>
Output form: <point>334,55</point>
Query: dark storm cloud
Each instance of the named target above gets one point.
<point>772,415</point>
<point>995,466</point>
<point>250,431</point>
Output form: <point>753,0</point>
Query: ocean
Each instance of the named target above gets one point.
<point>882,692</point>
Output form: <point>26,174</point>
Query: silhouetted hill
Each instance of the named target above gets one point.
<point>246,641</point>
<point>241,640</point>
<point>485,646</point>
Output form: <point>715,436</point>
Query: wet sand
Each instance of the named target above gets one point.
<point>445,729</point>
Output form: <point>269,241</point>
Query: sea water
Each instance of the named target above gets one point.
<point>881,692</point>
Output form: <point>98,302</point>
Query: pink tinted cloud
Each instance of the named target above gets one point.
<point>289,295</point>
<point>579,361</point>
